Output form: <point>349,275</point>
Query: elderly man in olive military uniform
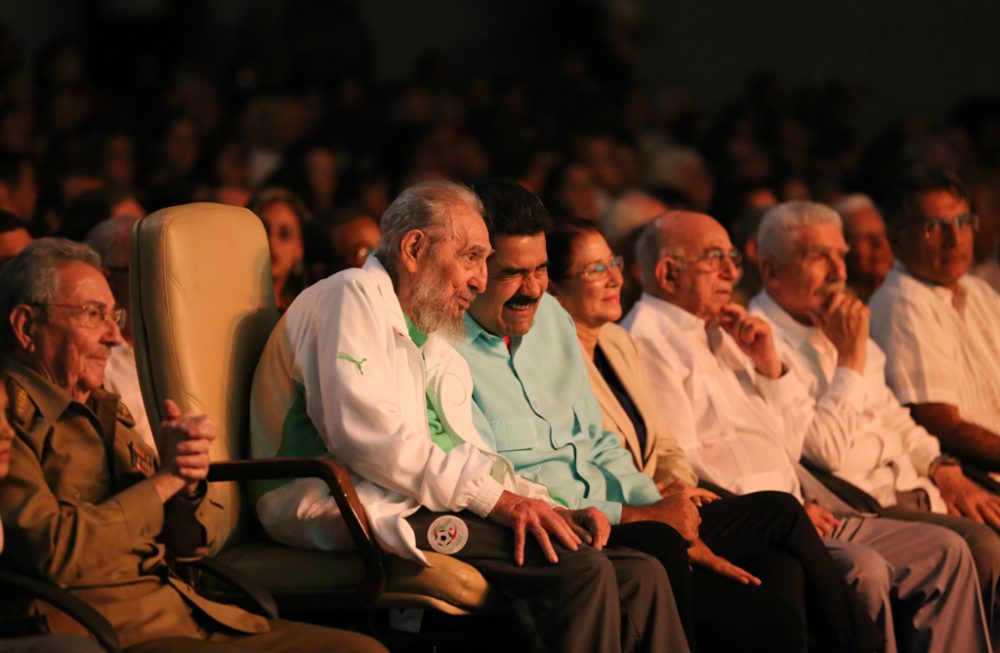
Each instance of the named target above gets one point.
<point>86,503</point>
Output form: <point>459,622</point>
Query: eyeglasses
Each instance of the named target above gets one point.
<point>715,256</point>
<point>94,315</point>
<point>600,271</point>
<point>932,228</point>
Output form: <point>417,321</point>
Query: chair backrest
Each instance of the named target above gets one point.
<point>202,310</point>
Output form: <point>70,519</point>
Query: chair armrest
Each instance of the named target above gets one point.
<point>849,493</point>
<point>260,597</point>
<point>338,480</point>
<point>79,610</point>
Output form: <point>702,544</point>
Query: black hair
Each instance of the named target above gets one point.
<point>902,203</point>
<point>559,243</point>
<point>509,209</point>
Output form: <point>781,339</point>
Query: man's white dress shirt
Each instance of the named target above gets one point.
<point>854,426</point>
<point>941,346</point>
<point>727,418</point>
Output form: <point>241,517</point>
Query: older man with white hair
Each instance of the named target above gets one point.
<point>855,427</point>
<point>737,412</point>
<point>360,366</point>
<point>869,257</point>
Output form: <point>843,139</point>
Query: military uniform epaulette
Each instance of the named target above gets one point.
<point>124,416</point>
<point>22,408</point>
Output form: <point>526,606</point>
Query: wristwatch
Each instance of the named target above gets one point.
<point>942,460</point>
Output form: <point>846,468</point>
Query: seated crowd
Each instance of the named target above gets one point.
<point>601,346</point>
<point>805,473</point>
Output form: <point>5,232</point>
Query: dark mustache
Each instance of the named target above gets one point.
<point>523,299</point>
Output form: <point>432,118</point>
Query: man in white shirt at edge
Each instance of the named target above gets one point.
<point>719,372</point>
<point>360,366</point>
<point>855,427</point>
<point>937,324</point>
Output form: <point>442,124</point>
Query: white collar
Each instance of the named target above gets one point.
<point>375,268</point>
<point>792,330</point>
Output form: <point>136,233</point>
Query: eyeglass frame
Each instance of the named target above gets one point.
<point>959,222</point>
<point>715,256</point>
<point>115,315</point>
<point>587,273</point>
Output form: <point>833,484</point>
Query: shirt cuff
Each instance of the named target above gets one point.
<point>780,391</point>
<point>485,496</point>
<point>847,387</point>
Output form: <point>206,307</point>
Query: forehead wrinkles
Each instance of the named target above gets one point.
<point>77,281</point>
<point>817,236</point>
<point>715,239</point>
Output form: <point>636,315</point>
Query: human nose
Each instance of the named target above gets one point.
<point>729,268</point>
<point>838,268</point>
<point>534,284</point>
<point>478,279</point>
<point>616,276</point>
<point>112,335</point>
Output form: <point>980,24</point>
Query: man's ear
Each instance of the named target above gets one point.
<point>768,266</point>
<point>23,323</point>
<point>665,274</point>
<point>410,248</point>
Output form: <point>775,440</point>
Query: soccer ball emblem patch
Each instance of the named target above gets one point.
<point>448,534</point>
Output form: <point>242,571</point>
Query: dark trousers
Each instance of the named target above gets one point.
<point>770,535</point>
<point>618,599</point>
<point>718,613</point>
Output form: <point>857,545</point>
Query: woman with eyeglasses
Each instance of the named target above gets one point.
<point>756,531</point>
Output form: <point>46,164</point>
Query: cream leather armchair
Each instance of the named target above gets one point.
<point>203,307</point>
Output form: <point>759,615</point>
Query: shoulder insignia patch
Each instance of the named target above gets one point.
<point>22,409</point>
<point>344,356</point>
<point>124,415</point>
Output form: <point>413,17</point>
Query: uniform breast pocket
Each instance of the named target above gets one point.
<point>514,434</point>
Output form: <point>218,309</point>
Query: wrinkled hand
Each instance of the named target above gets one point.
<point>698,496</point>
<point>754,337</point>
<point>966,499</point>
<point>590,525</point>
<point>844,321</point>
<point>674,510</point>
<point>184,442</point>
<point>524,515</point>
<point>701,555</point>
<point>822,519</point>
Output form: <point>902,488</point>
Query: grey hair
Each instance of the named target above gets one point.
<point>648,251</point>
<point>853,203</point>
<point>111,239</point>
<point>32,277</point>
<point>780,225</point>
<point>418,207</point>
